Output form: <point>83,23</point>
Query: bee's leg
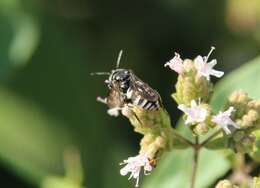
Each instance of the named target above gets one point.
<point>111,111</point>
<point>102,100</point>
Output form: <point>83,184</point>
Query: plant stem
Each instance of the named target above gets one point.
<point>210,137</point>
<point>182,138</point>
<point>196,148</point>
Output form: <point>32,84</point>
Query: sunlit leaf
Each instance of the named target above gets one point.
<point>246,78</point>
<point>175,169</point>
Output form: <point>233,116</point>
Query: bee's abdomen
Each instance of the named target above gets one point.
<point>142,102</point>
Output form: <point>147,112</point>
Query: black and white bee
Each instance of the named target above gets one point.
<point>126,89</point>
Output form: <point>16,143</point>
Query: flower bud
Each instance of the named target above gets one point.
<point>249,119</point>
<point>242,141</point>
<point>200,129</point>
<point>203,127</point>
<point>225,184</point>
<point>255,154</point>
<point>256,182</point>
<point>239,101</point>
<point>155,126</point>
<point>247,112</point>
<point>189,86</point>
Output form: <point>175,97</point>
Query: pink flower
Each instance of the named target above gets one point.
<point>134,165</point>
<point>176,64</point>
<point>206,69</point>
<point>195,114</point>
<point>223,119</point>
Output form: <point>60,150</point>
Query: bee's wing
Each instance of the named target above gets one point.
<point>144,90</point>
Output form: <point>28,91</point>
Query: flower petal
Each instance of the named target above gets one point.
<point>175,64</point>
<point>124,171</point>
<point>216,73</point>
<point>212,63</point>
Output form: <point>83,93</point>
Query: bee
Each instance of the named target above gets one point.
<point>127,90</point>
<point>142,105</point>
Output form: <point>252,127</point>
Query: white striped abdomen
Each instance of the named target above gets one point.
<point>138,100</point>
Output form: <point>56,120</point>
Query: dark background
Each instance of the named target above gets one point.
<point>57,44</point>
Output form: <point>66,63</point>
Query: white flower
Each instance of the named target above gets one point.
<point>223,119</point>
<point>176,63</point>
<point>195,113</point>
<point>206,69</point>
<point>134,165</point>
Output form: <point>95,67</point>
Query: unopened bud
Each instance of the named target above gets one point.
<point>256,182</point>
<point>225,184</point>
<point>189,86</point>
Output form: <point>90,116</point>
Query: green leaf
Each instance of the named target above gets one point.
<point>175,168</point>
<point>245,78</point>
<point>31,143</point>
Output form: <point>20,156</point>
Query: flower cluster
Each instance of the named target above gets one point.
<point>248,110</point>
<point>157,131</point>
<point>247,116</point>
<point>238,123</point>
<point>225,184</point>
<point>254,183</point>
<point>194,84</point>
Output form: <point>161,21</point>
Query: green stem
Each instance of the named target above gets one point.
<point>182,138</point>
<point>210,138</point>
<point>196,147</point>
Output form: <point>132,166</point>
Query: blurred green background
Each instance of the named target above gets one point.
<point>48,108</point>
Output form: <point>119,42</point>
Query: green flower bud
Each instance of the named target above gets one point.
<point>249,119</point>
<point>242,141</point>
<point>247,112</point>
<point>256,182</point>
<point>225,184</point>
<point>189,86</point>
<point>200,129</point>
<point>239,100</point>
<point>255,154</point>
<point>156,127</point>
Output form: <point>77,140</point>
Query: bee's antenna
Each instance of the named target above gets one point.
<point>119,58</point>
<point>99,73</point>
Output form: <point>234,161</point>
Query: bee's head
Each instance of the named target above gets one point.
<point>118,78</point>
<point>121,79</point>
